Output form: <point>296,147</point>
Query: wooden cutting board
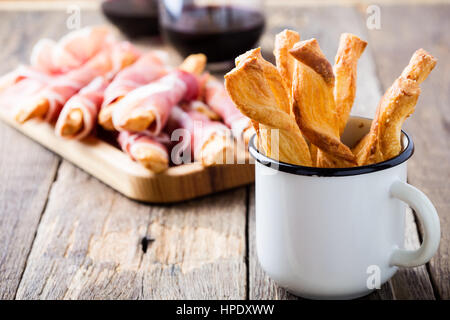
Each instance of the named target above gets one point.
<point>113,167</point>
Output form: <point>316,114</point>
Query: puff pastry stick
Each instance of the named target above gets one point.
<point>280,92</point>
<point>255,86</point>
<point>313,101</point>
<point>194,63</point>
<point>384,139</point>
<point>211,141</point>
<point>263,131</point>
<point>346,61</point>
<point>350,49</point>
<point>148,150</point>
<point>284,41</point>
<point>78,117</point>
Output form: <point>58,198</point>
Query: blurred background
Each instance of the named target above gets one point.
<point>223,29</point>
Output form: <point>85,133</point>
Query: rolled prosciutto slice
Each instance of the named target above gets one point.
<point>79,115</point>
<point>218,100</point>
<point>49,101</point>
<point>72,50</point>
<point>147,68</point>
<point>211,141</point>
<point>21,83</point>
<point>22,72</point>
<point>148,107</point>
<point>147,150</point>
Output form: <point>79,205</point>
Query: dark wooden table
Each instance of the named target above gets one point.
<point>65,235</point>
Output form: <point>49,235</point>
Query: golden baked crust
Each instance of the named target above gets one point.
<point>383,142</point>
<point>395,106</point>
<point>270,73</point>
<point>194,63</point>
<point>151,158</point>
<point>419,66</point>
<point>256,88</point>
<point>348,54</point>
<point>308,52</point>
<point>313,101</point>
<point>284,41</point>
<point>350,49</point>
<point>105,116</point>
<point>326,160</point>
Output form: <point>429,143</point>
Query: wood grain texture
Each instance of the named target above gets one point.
<point>429,126</point>
<point>326,24</point>
<point>26,169</point>
<point>89,246</point>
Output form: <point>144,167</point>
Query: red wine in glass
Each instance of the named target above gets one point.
<point>221,32</point>
<point>135,18</point>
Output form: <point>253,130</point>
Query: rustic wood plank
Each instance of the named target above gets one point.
<point>26,174</point>
<point>27,170</point>
<point>429,168</point>
<point>326,24</point>
<point>89,246</point>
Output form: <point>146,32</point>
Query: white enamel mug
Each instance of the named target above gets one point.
<point>329,233</point>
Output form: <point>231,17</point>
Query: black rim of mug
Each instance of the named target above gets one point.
<point>331,172</point>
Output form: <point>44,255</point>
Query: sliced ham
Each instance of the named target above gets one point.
<point>51,99</point>
<point>21,73</point>
<point>19,84</point>
<point>211,141</point>
<point>87,104</point>
<point>42,56</point>
<point>145,149</point>
<point>148,107</point>
<point>218,100</point>
<point>72,50</point>
<point>147,68</point>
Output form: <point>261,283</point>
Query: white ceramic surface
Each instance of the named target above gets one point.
<point>326,237</point>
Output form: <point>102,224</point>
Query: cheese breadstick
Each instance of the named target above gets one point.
<point>256,87</point>
<point>284,41</point>
<point>383,142</point>
<point>313,101</point>
<point>346,61</point>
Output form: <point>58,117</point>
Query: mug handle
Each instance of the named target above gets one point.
<point>429,219</point>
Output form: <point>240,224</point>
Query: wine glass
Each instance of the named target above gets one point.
<point>135,18</point>
<point>221,29</point>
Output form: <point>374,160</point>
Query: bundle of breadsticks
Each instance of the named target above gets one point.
<point>300,107</point>
<point>89,81</point>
